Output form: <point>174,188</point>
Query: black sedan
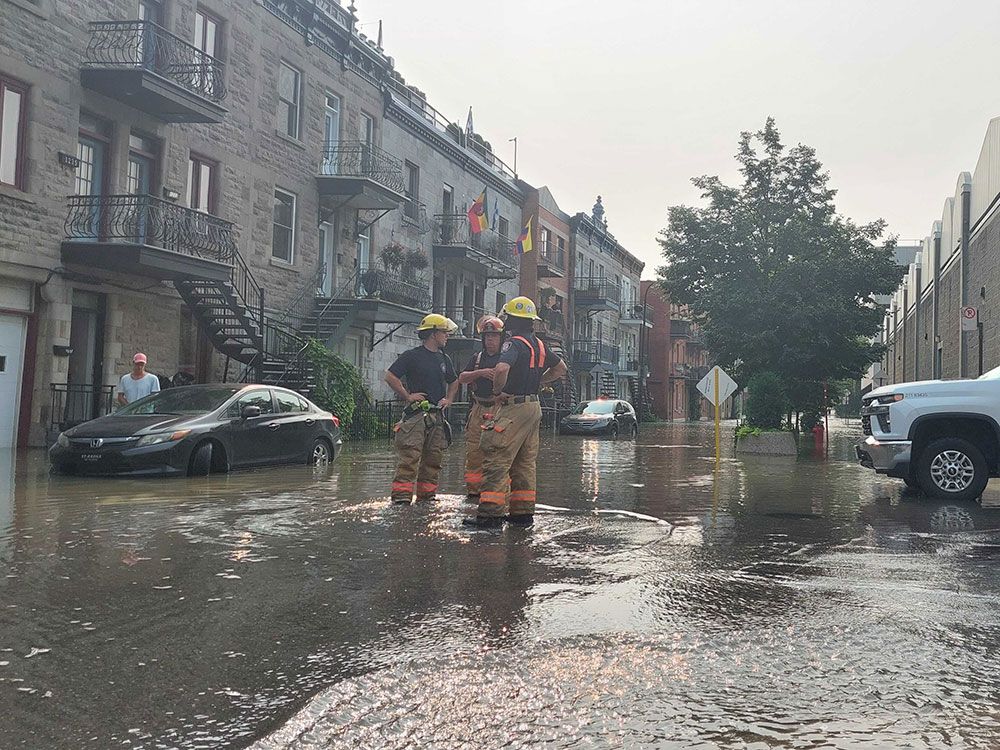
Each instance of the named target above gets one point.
<point>605,416</point>
<point>201,429</point>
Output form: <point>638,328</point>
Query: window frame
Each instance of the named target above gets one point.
<point>411,210</point>
<point>21,127</point>
<point>297,103</point>
<point>194,176</point>
<point>217,54</point>
<point>274,224</point>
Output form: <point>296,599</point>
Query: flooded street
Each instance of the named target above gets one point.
<point>787,603</point>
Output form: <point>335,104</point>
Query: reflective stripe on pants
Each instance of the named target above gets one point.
<point>419,442</point>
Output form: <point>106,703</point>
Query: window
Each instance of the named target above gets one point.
<point>503,228</point>
<point>259,398</point>
<point>13,109</point>
<point>412,208</point>
<point>561,255</point>
<point>201,184</point>
<point>501,300</point>
<point>206,33</point>
<point>283,239</point>
<point>543,235</point>
<point>289,85</point>
<point>289,402</point>
<point>447,199</point>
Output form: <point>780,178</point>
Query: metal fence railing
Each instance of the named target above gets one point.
<point>375,420</point>
<point>74,404</point>
<point>362,159</point>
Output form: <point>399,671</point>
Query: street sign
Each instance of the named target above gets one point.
<point>970,318</point>
<point>727,386</point>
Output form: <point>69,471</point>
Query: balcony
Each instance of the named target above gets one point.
<point>485,254</point>
<point>680,328</point>
<point>696,340</point>
<point>684,371</point>
<point>147,67</point>
<point>551,261</point>
<point>628,367</point>
<point>590,353</point>
<point>596,293</point>
<point>465,339</point>
<point>632,315</point>
<point>383,296</point>
<point>147,236</point>
<point>357,175</point>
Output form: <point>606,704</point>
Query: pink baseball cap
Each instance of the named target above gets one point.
<point>139,357</point>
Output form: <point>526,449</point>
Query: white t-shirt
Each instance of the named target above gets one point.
<point>136,389</point>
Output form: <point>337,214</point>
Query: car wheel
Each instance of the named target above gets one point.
<point>952,469</point>
<point>613,432</point>
<point>201,461</point>
<point>319,456</point>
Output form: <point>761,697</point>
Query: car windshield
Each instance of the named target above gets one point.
<point>595,407</point>
<point>180,401</point>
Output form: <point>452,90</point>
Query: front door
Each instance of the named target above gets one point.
<point>327,257</point>
<point>331,133</point>
<point>12,333</point>
<point>83,398</point>
<point>90,183</point>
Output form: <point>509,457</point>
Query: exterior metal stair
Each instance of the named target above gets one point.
<point>231,314</point>
<point>609,384</point>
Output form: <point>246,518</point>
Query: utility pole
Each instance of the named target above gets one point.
<point>642,336</point>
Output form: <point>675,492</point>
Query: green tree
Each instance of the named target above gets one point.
<point>779,281</point>
<point>766,401</point>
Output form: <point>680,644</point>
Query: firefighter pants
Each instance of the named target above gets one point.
<point>510,449</point>
<point>473,453</point>
<point>420,442</point>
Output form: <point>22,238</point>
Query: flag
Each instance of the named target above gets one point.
<point>524,240</point>
<point>468,124</point>
<point>478,218</point>
<point>496,214</point>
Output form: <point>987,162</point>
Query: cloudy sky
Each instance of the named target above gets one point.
<point>631,98</point>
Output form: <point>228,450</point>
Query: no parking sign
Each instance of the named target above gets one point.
<point>970,318</point>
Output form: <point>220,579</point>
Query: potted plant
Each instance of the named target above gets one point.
<point>414,260</point>
<point>393,256</point>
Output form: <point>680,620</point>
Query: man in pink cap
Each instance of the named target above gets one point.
<point>138,383</point>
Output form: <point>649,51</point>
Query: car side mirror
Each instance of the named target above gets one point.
<point>249,412</point>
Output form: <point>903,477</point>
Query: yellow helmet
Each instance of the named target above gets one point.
<point>521,307</point>
<point>436,322</point>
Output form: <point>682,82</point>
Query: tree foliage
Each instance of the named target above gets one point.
<point>779,281</point>
<point>338,382</point>
<point>766,401</point>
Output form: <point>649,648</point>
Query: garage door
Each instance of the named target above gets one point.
<point>12,329</point>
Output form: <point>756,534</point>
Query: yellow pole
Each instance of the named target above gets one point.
<point>717,452</point>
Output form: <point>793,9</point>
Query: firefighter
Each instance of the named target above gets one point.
<point>421,434</point>
<point>509,438</point>
<point>478,375</point>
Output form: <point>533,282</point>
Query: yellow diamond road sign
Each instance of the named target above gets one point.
<point>727,386</point>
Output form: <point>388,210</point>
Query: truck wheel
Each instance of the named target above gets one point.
<point>952,469</point>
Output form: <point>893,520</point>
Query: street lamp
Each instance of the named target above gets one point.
<point>642,331</point>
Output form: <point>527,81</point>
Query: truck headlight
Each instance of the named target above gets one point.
<point>890,399</point>
<point>62,440</point>
<point>163,437</point>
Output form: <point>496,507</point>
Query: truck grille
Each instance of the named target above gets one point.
<point>866,425</point>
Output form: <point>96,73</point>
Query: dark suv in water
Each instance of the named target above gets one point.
<point>604,416</point>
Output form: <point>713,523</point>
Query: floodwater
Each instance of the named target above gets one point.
<point>777,602</point>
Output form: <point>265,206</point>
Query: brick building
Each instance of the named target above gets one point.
<point>956,266</point>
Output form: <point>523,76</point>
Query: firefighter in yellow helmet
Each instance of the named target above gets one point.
<point>424,377</point>
<point>478,375</point>
<point>509,440</point>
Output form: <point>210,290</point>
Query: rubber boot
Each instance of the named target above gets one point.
<point>483,522</point>
<point>525,521</point>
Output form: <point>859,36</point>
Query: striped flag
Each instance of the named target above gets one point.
<point>478,218</point>
<point>524,240</point>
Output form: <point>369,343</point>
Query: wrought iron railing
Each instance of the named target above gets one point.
<point>591,352</point>
<point>454,230</point>
<point>74,404</point>
<point>145,220</point>
<point>375,282</point>
<point>631,311</point>
<point>147,46</point>
<point>361,159</point>
<point>374,420</point>
<point>596,289</point>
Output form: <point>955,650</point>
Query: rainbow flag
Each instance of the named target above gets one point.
<point>524,240</point>
<point>478,218</point>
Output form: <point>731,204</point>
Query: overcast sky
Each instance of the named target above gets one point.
<point>629,99</point>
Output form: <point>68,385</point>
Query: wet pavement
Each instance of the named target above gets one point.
<point>780,603</point>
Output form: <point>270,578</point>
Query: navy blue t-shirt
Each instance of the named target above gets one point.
<point>482,361</point>
<point>523,379</point>
<point>424,371</point>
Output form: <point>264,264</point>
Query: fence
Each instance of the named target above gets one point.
<point>75,404</point>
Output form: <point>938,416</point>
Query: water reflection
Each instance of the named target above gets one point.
<point>660,601</point>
